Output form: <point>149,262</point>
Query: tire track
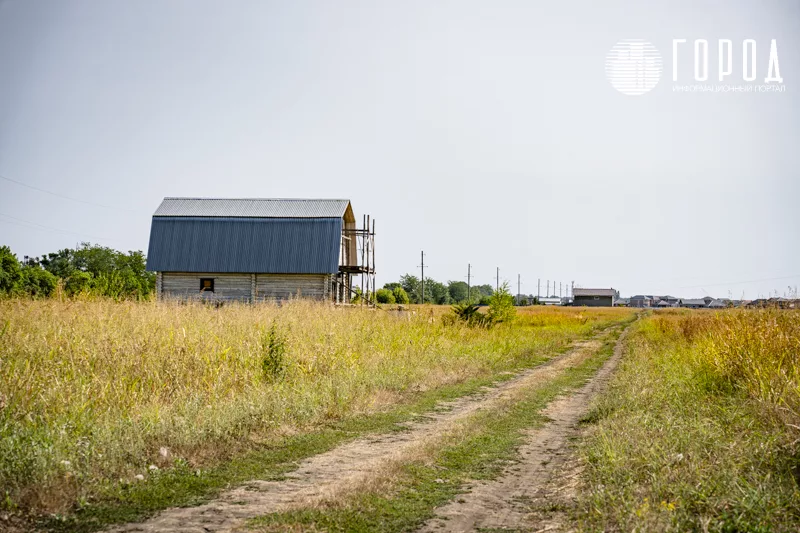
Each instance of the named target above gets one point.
<point>349,466</point>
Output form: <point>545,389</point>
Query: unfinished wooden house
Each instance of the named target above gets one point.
<point>252,249</point>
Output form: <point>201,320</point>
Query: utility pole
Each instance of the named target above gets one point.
<point>547,294</point>
<point>538,289</point>
<point>498,280</point>
<point>559,289</point>
<point>422,266</point>
<point>572,289</point>
<point>469,274</point>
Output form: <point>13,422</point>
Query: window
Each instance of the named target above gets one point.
<point>206,284</point>
<point>596,297</point>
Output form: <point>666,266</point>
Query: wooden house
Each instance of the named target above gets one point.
<point>594,297</point>
<point>252,249</point>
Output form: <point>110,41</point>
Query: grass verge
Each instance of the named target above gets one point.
<point>482,446</point>
<point>698,429</point>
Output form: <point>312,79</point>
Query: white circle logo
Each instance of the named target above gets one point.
<point>633,66</point>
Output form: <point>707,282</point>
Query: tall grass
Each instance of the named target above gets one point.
<point>699,430</point>
<point>93,392</point>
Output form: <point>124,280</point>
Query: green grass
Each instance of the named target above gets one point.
<point>489,442</point>
<point>93,392</point>
<point>183,486</point>
<point>679,443</point>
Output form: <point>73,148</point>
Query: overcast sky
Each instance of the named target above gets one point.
<point>482,132</point>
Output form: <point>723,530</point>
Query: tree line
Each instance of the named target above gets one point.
<point>87,269</point>
<point>409,290</point>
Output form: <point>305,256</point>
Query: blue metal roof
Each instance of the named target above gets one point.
<point>244,244</point>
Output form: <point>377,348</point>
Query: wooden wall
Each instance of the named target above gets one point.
<point>245,287</point>
<point>285,286</point>
<point>187,285</point>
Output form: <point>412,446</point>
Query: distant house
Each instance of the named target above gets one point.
<point>696,303</point>
<point>671,300</point>
<point>550,300</point>
<point>663,304</point>
<point>251,249</point>
<point>622,302</point>
<point>717,304</point>
<point>640,300</point>
<point>594,297</point>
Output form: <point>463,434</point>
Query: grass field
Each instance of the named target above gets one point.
<point>100,400</point>
<point>700,429</point>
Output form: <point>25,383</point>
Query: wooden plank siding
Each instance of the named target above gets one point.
<point>187,285</point>
<point>246,287</point>
<point>285,286</point>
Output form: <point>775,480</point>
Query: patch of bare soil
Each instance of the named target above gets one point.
<point>533,493</point>
<point>358,464</point>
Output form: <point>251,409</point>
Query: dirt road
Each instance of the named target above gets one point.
<point>359,463</point>
<point>530,494</point>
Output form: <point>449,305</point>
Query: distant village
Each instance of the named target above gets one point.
<point>611,298</point>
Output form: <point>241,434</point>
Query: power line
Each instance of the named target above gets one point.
<point>41,227</point>
<point>66,197</point>
<point>740,282</point>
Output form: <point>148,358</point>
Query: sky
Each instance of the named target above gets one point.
<point>484,133</point>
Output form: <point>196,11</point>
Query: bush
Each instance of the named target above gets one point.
<point>471,314</point>
<point>273,363</point>
<point>400,295</point>
<point>37,281</point>
<point>10,271</point>
<point>501,305</point>
<point>384,296</point>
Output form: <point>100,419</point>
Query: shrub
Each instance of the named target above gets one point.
<point>471,314</point>
<point>10,271</point>
<point>273,362</point>
<point>400,295</point>
<point>384,296</point>
<point>37,281</point>
<point>501,305</point>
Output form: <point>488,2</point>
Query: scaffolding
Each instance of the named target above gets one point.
<point>364,264</point>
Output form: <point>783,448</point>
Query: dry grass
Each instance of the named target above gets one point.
<point>699,431</point>
<point>93,392</point>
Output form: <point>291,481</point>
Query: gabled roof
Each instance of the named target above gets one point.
<point>693,301</point>
<point>249,235</point>
<point>254,208</point>
<point>593,292</point>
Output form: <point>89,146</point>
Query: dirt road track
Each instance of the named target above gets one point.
<point>353,464</point>
<point>528,495</point>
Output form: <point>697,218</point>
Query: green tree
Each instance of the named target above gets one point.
<point>411,285</point>
<point>436,292</point>
<point>501,305</point>
<point>36,281</point>
<point>400,295</point>
<point>10,271</point>
<point>458,290</point>
<point>384,296</point>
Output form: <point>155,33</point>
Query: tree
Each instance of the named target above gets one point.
<point>384,296</point>
<point>501,305</point>
<point>400,295</point>
<point>458,290</point>
<point>436,292</point>
<point>36,281</point>
<point>411,285</point>
<point>10,271</point>
<point>391,286</point>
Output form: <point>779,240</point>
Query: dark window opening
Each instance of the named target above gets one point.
<point>206,284</point>
<point>596,297</point>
